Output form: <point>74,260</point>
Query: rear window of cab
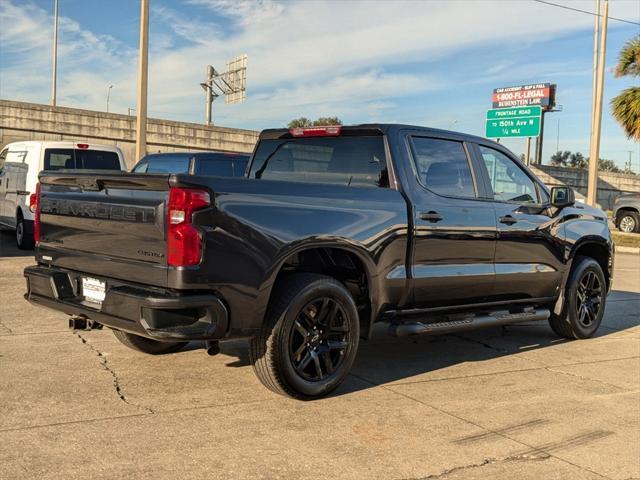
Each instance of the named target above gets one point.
<point>354,161</point>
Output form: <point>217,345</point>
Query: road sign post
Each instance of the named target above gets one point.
<point>513,122</point>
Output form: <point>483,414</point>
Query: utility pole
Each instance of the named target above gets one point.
<point>54,72</point>
<point>143,55</point>
<point>208,92</point>
<point>594,154</point>
<point>108,95</point>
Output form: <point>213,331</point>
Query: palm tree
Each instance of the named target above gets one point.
<point>626,106</point>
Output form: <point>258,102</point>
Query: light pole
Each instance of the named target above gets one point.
<point>108,95</point>
<point>54,72</point>
<point>141,108</point>
<point>594,150</point>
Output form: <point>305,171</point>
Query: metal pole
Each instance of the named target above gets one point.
<point>594,81</point>
<point>141,109</point>
<point>208,92</point>
<point>558,137</point>
<point>594,155</point>
<point>527,157</point>
<point>54,72</point>
<point>108,94</point>
<point>539,140</point>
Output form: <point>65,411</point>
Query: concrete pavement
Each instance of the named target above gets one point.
<point>500,403</point>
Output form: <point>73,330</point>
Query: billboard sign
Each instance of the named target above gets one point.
<point>542,94</point>
<point>513,122</point>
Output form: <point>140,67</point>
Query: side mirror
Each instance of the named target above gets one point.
<point>562,197</point>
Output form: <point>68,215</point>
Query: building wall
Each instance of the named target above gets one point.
<point>610,185</point>
<point>31,121</point>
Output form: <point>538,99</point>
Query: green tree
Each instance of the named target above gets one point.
<point>300,123</point>
<point>320,122</point>
<point>626,106</point>
<point>560,158</point>
<point>605,165</point>
<point>577,160</point>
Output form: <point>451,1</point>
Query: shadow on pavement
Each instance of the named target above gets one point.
<point>8,247</point>
<point>385,359</point>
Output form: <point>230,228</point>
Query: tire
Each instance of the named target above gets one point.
<point>583,309</point>
<point>24,233</point>
<point>628,222</point>
<point>309,339</point>
<point>146,345</point>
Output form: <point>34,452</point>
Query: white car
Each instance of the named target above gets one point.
<point>20,163</point>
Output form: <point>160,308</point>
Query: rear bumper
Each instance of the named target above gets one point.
<point>154,313</point>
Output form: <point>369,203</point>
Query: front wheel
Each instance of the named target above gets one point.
<point>146,345</point>
<point>309,339</point>
<point>584,302</point>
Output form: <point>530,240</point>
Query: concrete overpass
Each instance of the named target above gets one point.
<point>32,121</point>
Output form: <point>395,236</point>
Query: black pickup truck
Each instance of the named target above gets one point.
<point>335,229</point>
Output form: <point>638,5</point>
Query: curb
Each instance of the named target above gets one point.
<point>635,250</point>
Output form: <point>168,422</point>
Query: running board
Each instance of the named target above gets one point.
<point>468,323</point>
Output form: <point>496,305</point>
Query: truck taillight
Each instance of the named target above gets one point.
<point>34,206</point>
<point>331,131</point>
<point>184,242</point>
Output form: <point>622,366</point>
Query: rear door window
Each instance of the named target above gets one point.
<point>221,165</point>
<point>79,159</point>
<point>168,163</point>
<point>356,161</point>
<point>443,167</point>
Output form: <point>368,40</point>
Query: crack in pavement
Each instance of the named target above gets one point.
<point>6,328</point>
<point>116,381</point>
<point>486,461</point>
<point>531,449</point>
<point>588,379</point>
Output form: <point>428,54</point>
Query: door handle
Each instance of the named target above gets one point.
<point>431,216</point>
<point>508,220</point>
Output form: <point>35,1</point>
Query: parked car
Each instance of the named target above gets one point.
<point>335,229</point>
<point>20,163</point>
<point>219,164</point>
<point>625,212</point>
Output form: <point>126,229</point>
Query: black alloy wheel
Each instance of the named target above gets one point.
<point>309,339</point>
<point>583,305</point>
<point>319,339</point>
<point>588,298</point>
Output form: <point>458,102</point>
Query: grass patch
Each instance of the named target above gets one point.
<point>626,239</point>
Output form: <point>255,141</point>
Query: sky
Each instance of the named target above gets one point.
<point>424,62</point>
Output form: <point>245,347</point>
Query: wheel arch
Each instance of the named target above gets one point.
<point>600,250</point>
<point>348,263</point>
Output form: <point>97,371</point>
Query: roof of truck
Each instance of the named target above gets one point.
<point>378,129</point>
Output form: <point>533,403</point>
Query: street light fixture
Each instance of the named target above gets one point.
<point>108,95</point>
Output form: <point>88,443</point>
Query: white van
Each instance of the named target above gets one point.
<point>20,163</point>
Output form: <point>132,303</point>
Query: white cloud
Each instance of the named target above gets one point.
<point>353,59</point>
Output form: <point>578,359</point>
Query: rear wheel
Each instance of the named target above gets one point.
<point>146,345</point>
<point>24,233</point>
<point>629,222</point>
<point>309,338</point>
<point>584,302</point>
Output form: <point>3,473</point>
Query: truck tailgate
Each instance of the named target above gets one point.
<point>110,224</point>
